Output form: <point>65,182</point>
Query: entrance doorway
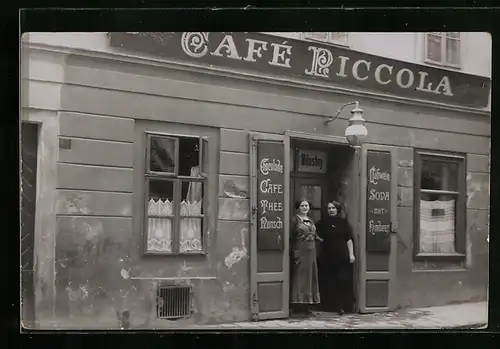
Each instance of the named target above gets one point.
<point>29,150</point>
<point>322,172</point>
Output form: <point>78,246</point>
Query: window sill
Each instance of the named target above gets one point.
<point>438,257</point>
<point>328,43</point>
<point>443,65</point>
<point>180,254</point>
<point>439,270</point>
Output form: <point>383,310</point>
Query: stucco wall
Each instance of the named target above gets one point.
<point>41,82</point>
<point>104,100</point>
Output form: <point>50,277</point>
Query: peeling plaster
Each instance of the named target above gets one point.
<point>184,267</point>
<point>76,204</point>
<point>125,274</point>
<point>237,253</point>
<point>228,286</point>
<point>468,247</point>
<point>473,187</point>
<point>231,190</point>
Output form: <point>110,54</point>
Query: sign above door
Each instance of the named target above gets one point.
<point>309,160</point>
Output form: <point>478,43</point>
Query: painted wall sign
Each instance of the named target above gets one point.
<point>270,195</point>
<point>311,161</point>
<point>378,205</point>
<point>271,55</point>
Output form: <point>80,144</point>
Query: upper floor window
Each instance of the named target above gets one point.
<point>443,48</point>
<point>175,180</point>
<point>439,205</point>
<point>339,38</point>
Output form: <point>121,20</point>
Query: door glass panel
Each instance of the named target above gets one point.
<point>312,193</point>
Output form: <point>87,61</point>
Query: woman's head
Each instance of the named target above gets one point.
<point>333,208</point>
<point>303,206</point>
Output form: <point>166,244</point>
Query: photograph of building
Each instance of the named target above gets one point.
<point>160,172</point>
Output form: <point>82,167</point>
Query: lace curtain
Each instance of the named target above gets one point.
<point>160,229</point>
<point>437,226</point>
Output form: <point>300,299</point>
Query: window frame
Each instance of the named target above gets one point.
<point>460,208</point>
<point>443,62</point>
<point>329,41</point>
<point>177,179</point>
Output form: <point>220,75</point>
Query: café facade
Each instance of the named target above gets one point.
<point>178,158</point>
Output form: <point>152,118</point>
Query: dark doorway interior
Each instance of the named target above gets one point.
<point>29,146</point>
<point>336,183</point>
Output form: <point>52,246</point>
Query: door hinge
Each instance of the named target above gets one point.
<point>394,227</point>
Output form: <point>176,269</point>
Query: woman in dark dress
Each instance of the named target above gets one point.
<point>305,287</point>
<point>335,261</point>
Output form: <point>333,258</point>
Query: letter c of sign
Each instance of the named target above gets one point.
<point>194,44</point>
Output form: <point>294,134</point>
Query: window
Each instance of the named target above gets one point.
<point>339,38</point>
<point>439,205</point>
<point>443,48</point>
<point>175,188</point>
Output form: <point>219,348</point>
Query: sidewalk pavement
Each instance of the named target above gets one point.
<point>466,315</point>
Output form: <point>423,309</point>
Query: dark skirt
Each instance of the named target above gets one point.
<point>336,287</point>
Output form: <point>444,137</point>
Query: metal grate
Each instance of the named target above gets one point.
<point>173,302</point>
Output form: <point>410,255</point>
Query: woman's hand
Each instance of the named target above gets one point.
<point>352,259</point>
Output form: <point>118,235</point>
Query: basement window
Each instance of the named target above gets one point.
<point>173,302</point>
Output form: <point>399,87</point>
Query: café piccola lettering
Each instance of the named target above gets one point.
<point>311,161</point>
<point>323,63</point>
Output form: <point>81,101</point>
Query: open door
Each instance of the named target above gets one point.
<point>269,211</point>
<point>378,224</point>
<point>29,148</point>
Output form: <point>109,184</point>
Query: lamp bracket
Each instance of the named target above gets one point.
<point>331,118</point>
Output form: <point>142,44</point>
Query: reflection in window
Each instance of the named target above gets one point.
<point>312,193</point>
<point>162,154</point>
<point>439,175</point>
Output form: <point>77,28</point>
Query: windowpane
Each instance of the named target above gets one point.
<point>162,154</point>
<point>437,223</point>
<point>322,36</point>
<point>189,156</point>
<point>315,215</point>
<point>192,198</point>
<point>455,35</point>
<point>191,234</point>
<point>204,148</point>
<point>160,215</point>
<point>434,47</point>
<point>452,51</point>
<point>191,229</point>
<point>439,175</point>
<point>339,37</point>
<point>312,193</point>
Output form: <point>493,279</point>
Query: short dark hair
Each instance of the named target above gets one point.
<point>298,202</point>
<point>337,205</point>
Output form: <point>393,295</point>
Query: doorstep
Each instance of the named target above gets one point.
<point>456,316</point>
